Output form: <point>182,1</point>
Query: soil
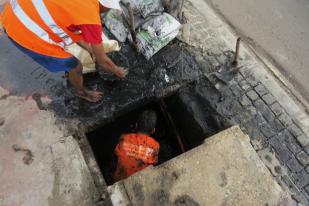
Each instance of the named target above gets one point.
<point>164,74</point>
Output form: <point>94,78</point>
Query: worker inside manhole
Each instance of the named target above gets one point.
<point>133,142</point>
<point>149,135</point>
<point>137,150</point>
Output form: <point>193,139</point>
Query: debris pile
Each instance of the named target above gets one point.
<point>152,28</point>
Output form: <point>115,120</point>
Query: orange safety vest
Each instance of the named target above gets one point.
<point>135,152</point>
<point>42,25</point>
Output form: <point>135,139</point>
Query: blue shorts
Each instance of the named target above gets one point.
<point>52,64</point>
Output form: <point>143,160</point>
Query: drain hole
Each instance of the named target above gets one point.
<point>176,132</point>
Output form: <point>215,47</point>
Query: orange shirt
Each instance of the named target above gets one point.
<point>63,12</point>
<point>135,152</point>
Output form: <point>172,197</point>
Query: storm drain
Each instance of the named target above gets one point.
<point>177,131</point>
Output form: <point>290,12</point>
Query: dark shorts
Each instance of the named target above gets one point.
<point>52,64</point>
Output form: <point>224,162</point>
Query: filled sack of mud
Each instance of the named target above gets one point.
<point>156,34</point>
<point>144,8</point>
<point>114,22</point>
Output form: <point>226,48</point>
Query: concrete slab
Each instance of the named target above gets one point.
<point>46,167</point>
<point>225,170</point>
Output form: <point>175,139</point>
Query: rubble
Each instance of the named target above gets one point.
<point>157,33</point>
<point>154,29</point>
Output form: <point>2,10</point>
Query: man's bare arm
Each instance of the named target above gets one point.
<point>105,62</point>
<point>85,46</point>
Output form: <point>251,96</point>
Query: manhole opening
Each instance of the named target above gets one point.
<point>175,130</point>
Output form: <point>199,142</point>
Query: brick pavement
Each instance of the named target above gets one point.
<point>247,100</point>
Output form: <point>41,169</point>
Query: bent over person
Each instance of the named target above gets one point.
<point>43,28</point>
<point>137,151</point>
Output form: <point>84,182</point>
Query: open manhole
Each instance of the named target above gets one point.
<point>177,131</point>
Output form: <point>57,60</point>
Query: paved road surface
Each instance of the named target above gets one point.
<point>20,74</point>
<point>280,27</point>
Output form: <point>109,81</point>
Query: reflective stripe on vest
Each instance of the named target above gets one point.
<point>49,21</point>
<point>34,27</point>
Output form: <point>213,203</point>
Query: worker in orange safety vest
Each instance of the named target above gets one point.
<point>137,151</point>
<point>43,28</point>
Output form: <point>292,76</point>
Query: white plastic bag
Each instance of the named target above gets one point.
<point>84,57</point>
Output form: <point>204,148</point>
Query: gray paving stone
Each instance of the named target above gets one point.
<point>291,142</point>
<point>289,182</point>
<point>260,105</point>
<point>268,115</point>
<point>276,125</point>
<point>252,81</point>
<point>303,158</point>
<point>295,130</point>
<point>294,147</point>
<point>252,110</point>
<point>283,153</point>
<point>244,100</point>
<point>232,108</point>
<point>275,142</point>
<point>294,165</point>
<point>226,93</point>
<point>260,119</point>
<point>237,119</point>
<point>285,119</point>
<point>277,109</point>
<point>244,85</point>
<point>261,90</point>
<point>307,150</point>
<point>303,140</point>
<point>269,99</point>
<point>255,133</point>
<point>238,77</point>
<point>268,131</point>
<point>245,72</point>
<point>236,90</point>
<point>286,135</point>
<point>307,189</point>
<point>307,169</point>
<point>252,95</point>
<point>301,178</point>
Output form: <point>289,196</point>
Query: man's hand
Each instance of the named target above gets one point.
<point>122,72</point>
<point>106,63</point>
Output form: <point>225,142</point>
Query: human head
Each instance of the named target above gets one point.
<point>147,122</point>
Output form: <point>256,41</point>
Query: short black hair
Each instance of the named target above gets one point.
<point>147,122</point>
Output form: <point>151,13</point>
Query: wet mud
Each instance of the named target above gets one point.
<point>191,124</point>
<point>104,140</point>
<point>170,69</point>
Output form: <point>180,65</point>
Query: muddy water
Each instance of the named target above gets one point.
<point>171,68</point>
<point>147,80</point>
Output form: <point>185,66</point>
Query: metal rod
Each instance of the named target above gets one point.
<point>132,23</point>
<point>236,52</point>
<point>180,9</point>
<point>170,120</point>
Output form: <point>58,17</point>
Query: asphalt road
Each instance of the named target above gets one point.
<point>280,28</point>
